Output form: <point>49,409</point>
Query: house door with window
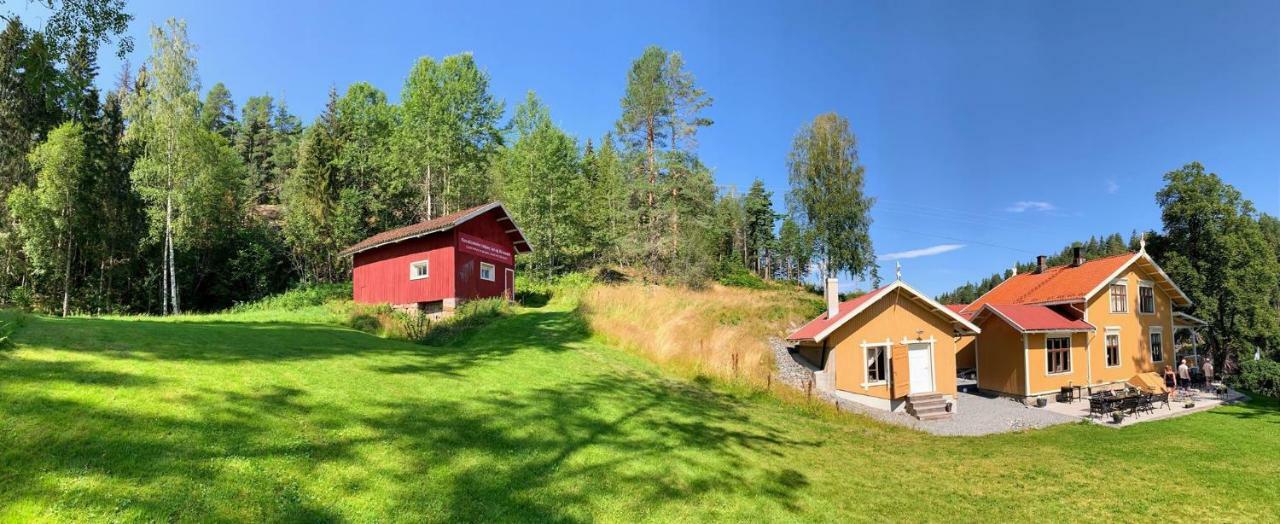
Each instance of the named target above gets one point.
<point>920,367</point>
<point>509,284</point>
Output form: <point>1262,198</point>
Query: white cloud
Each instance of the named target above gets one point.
<point>1030,205</point>
<point>1112,186</point>
<point>922,252</point>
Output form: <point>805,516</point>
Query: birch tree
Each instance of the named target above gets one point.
<point>164,125</point>
<point>827,194</point>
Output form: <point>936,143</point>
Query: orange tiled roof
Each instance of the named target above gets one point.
<point>1057,283</point>
<point>1028,317</point>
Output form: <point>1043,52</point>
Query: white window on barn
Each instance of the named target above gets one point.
<point>1057,355</point>
<point>486,271</point>
<point>1146,298</point>
<point>1120,297</point>
<point>877,358</point>
<point>1156,341</point>
<point>1113,347</point>
<point>419,270</point>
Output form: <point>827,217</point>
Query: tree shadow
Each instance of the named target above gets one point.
<point>612,440</point>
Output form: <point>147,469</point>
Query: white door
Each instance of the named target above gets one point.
<point>920,363</point>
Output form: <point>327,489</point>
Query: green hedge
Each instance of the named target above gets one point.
<point>1261,377</point>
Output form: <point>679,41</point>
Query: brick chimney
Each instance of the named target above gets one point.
<point>1077,256</point>
<point>833,297</point>
<point>1040,264</point>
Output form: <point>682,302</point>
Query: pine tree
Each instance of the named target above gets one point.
<point>218,112</point>
<point>255,142</point>
<point>760,218</point>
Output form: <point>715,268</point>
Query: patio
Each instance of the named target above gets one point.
<point>1204,401</point>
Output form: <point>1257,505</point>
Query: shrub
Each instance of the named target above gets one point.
<point>1258,376</point>
<point>376,318</point>
<point>469,315</point>
<point>740,277</point>
<point>298,298</point>
<point>22,298</point>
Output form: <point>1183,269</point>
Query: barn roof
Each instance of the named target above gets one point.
<point>438,224</point>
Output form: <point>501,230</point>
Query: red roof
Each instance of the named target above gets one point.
<point>1027,317</point>
<point>820,324</point>
<point>819,327</point>
<point>442,223</point>
<point>959,310</point>
<point>1059,283</point>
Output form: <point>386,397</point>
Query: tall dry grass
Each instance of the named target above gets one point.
<point>703,331</point>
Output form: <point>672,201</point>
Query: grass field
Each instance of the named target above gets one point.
<point>267,416</point>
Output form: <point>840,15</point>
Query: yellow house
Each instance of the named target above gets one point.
<point>893,348</point>
<point>1089,324</point>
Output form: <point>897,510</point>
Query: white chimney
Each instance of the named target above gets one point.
<point>833,297</point>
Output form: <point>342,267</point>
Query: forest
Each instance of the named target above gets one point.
<point>159,196</point>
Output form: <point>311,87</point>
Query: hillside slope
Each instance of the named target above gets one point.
<point>535,419</point>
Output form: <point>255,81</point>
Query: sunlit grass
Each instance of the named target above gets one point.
<point>700,330</point>
<point>534,418</point>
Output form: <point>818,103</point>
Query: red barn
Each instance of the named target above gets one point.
<point>435,265</point>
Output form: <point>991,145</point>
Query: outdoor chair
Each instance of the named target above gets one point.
<point>1098,406</point>
<point>1161,398</point>
<point>1145,403</point>
<point>1129,405</point>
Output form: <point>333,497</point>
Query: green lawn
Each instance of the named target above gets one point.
<point>260,417</point>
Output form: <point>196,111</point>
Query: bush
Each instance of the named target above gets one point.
<point>298,298</point>
<point>469,315</point>
<point>740,277</point>
<point>1258,376</point>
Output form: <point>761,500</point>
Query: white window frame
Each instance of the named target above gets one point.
<point>1113,331</point>
<point>1156,330</point>
<point>1111,301</point>
<point>1047,354</point>
<point>886,348</point>
<point>413,269</point>
<point>1146,284</point>
<point>885,355</point>
<point>493,271</point>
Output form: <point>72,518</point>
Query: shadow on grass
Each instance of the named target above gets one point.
<point>623,442</point>
<point>629,442</point>
<point>225,341</point>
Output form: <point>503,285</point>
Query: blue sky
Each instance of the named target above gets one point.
<point>991,132</point>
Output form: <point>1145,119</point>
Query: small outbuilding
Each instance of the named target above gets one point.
<point>433,266</point>
<point>893,348</point>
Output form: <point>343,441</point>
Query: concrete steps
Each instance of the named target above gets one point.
<point>928,407</point>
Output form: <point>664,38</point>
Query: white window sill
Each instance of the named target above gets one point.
<point>874,384</point>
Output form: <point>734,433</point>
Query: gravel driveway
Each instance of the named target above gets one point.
<point>976,414</point>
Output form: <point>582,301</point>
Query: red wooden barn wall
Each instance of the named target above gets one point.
<point>381,275</point>
<point>488,227</point>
